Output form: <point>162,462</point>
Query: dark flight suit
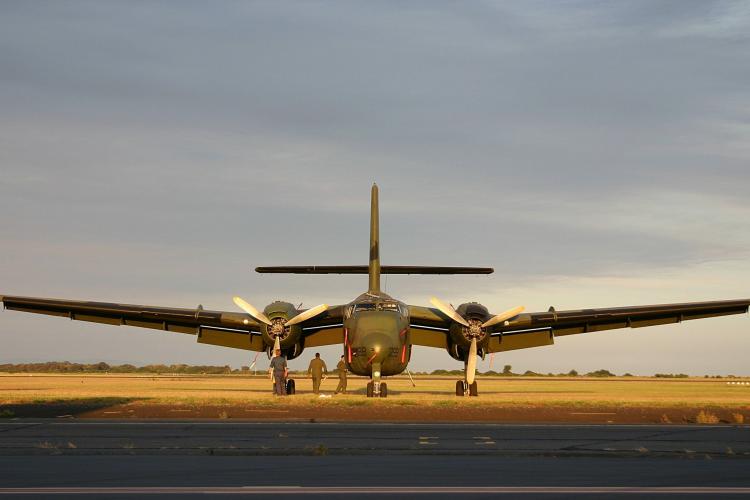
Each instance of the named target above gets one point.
<point>278,365</point>
<point>316,369</point>
<point>341,367</point>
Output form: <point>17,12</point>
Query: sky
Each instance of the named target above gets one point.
<point>594,153</point>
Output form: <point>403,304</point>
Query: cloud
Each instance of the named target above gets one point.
<point>158,153</point>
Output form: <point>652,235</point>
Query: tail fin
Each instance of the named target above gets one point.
<point>374,265</point>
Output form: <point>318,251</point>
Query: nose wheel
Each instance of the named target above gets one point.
<point>377,390</point>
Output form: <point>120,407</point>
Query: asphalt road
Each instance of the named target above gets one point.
<point>115,459</point>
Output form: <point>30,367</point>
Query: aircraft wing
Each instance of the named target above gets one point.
<point>429,326</point>
<point>536,329</point>
<point>231,329</point>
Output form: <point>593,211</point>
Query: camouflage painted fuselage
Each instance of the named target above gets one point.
<point>376,335</point>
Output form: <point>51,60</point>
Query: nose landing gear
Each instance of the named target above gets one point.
<point>376,388</point>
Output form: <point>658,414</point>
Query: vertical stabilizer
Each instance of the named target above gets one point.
<point>374,265</point>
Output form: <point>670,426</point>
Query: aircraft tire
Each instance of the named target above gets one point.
<point>370,389</point>
<point>383,390</point>
<point>291,390</point>
<point>473,390</point>
<point>459,388</point>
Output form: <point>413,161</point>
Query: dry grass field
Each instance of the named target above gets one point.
<point>501,399</point>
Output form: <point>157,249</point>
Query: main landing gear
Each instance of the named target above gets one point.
<point>289,386</point>
<point>463,388</point>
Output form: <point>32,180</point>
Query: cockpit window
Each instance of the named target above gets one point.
<point>377,306</point>
<point>388,306</point>
<point>364,306</point>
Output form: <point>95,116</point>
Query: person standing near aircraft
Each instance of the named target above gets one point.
<point>341,367</point>
<point>279,372</point>
<point>316,369</point>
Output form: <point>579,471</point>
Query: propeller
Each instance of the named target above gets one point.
<point>471,360</point>
<point>448,310</point>
<point>255,313</point>
<point>499,318</point>
<point>310,313</point>
<point>252,311</point>
<point>277,326</point>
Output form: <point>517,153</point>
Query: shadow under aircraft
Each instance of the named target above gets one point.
<point>377,331</point>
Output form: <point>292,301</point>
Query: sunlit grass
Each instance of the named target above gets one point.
<point>255,392</point>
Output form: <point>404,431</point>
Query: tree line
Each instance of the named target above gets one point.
<point>102,367</point>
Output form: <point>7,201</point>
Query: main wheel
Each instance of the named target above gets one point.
<point>473,391</point>
<point>290,388</point>
<point>383,390</point>
<point>370,389</point>
<point>460,388</point>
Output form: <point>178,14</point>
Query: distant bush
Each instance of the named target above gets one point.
<point>447,372</point>
<point>671,375</point>
<point>601,373</point>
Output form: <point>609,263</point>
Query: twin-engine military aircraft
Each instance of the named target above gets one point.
<point>377,331</point>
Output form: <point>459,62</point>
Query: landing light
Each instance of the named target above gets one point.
<point>376,374</point>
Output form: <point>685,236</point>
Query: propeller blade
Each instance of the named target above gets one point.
<point>252,311</point>
<point>276,345</point>
<point>448,310</point>
<point>503,316</point>
<point>471,362</point>
<point>310,313</point>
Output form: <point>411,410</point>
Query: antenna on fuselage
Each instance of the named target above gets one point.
<point>374,265</point>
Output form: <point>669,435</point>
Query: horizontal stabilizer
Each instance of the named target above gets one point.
<point>383,270</point>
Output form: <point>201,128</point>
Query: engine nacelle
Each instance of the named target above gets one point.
<point>461,336</point>
<point>290,337</point>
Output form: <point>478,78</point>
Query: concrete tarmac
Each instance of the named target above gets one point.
<point>116,459</point>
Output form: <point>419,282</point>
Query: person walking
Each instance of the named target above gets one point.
<point>316,369</point>
<point>341,367</point>
<point>279,372</point>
